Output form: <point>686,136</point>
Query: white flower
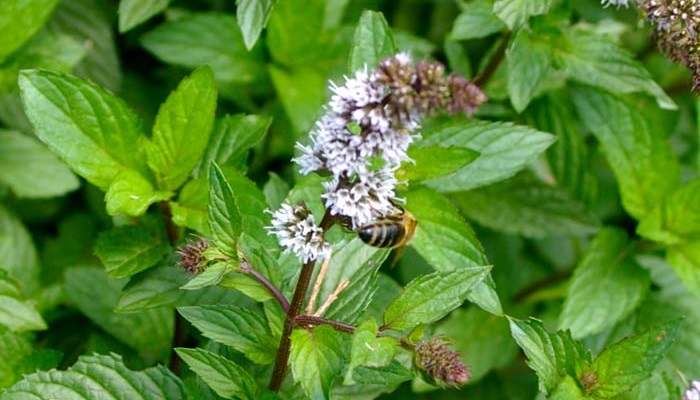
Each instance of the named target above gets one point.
<point>297,232</point>
<point>617,3</point>
<point>693,393</point>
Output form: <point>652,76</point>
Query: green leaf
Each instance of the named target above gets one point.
<point>90,129</point>
<point>211,39</point>
<point>19,259</point>
<point>30,169</point>
<point>643,162</point>
<point>210,276</point>
<point>372,43</point>
<point>47,50</point>
<point>181,130</point>
<point>126,250</point>
<point>504,150</point>
<point>516,12</point>
<point>241,328</point>
<point>481,338</point>
<point>20,20</point>
<point>476,20</point>
<point>676,218</point>
<point>252,16</point>
<point>447,242</point>
<point>14,348</point>
<point>233,136</point>
<point>259,257</point>
<point>430,297</point>
<point>434,161</point>
<point>390,375</point>
<point>132,194</point>
<point>568,389</point>
<point>224,376</point>
<point>190,209</point>
<point>368,349</point>
<point>16,313</point>
<point>606,286</point>
<point>685,260</point>
<point>626,363</point>
<point>95,295</point>
<point>275,190</point>
<point>302,92</point>
<point>529,58</point>
<point>594,60</point>
<point>98,376</point>
<point>135,12</point>
<point>528,207</point>
<point>316,359</point>
<point>225,220</point>
<point>551,356</point>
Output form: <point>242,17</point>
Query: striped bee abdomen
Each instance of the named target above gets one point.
<point>384,234</point>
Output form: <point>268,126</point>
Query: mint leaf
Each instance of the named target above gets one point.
<point>30,169</point>
<point>685,259</point>
<point>390,375</point>
<point>132,194</point>
<point>372,43</point>
<point>434,161</point>
<point>516,12</point>
<point>190,210</point>
<point>224,376</point>
<point>275,190</point>
<point>370,350</point>
<point>225,220</point>
<point>302,94</point>
<point>594,60</point>
<point>551,356</point>
<point>606,286</point>
<point>99,376</point>
<point>447,242</point>
<point>316,359</point>
<point>181,130</point>
<point>20,259</point>
<point>90,129</point>
<point>528,207</point>
<point>241,328</point>
<point>211,39</point>
<point>210,276</point>
<point>504,150</point>
<point>135,12</point>
<point>126,250</point>
<point>676,218</point>
<point>529,59</point>
<point>643,162</point>
<point>14,348</point>
<point>430,297</point>
<point>476,20</point>
<point>568,389</point>
<point>20,20</point>
<point>626,363</point>
<point>252,16</point>
<point>17,313</point>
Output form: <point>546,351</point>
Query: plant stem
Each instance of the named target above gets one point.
<point>493,64</point>
<point>313,320</point>
<point>274,291</point>
<point>302,287</point>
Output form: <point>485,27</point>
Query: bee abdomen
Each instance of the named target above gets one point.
<point>384,235</point>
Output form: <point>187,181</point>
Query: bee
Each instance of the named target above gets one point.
<point>392,231</point>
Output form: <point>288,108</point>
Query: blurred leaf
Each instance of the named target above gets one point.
<point>20,259</point>
<point>136,12</point>
<point>626,363</point>
<point>504,150</point>
<point>316,359</point>
<point>643,162</point>
<point>372,43</point>
<point>190,209</point>
<point>224,376</point>
<point>552,356</point>
<point>516,12</point>
<point>676,218</point>
<point>95,295</point>
<point>252,16</point>
<point>20,20</point>
<point>241,328</point>
<point>476,20</point>
<point>685,260</point>
<point>17,313</point>
<point>211,39</point>
<point>14,347</point>
<point>528,207</point>
<point>529,58</point>
<point>30,169</point>
<point>606,286</point>
<point>302,93</point>
<point>182,128</point>
<point>434,161</point>
<point>447,242</point>
<point>275,190</point>
<point>126,250</point>
<point>430,297</point>
<point>593,60</point>
<point>99,376</point>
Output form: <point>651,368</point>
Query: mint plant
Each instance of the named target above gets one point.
<point>349,199</point>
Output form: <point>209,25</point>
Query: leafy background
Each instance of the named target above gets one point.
<point>578,181</point>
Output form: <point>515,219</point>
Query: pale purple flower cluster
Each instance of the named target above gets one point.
<point>617,3</point>
<point>297,232</point>
<point>693,393</point>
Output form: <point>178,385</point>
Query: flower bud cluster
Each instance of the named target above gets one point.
<point>297,232</point>
<point>677,23</point>
<point>440,363</point>
<point>192,255</point>
<point>363,138</point>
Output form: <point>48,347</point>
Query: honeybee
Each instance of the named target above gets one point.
<point>392,231</point>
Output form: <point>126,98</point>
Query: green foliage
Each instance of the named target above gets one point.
<point>146,173</point>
